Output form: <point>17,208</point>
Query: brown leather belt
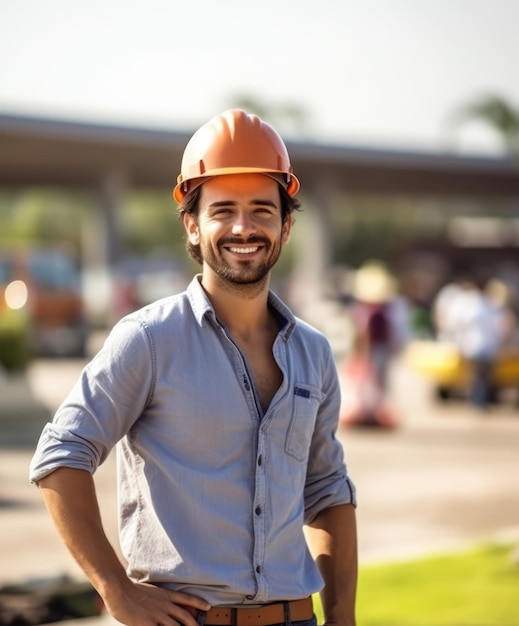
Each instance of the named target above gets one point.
<point>263,615</point>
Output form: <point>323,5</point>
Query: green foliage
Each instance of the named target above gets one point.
<point>15,352</point>
<point>45,215</point>
<point>497,113</point>
<point>380,227</point>
<point>150,220</point>
<point>475,588</point>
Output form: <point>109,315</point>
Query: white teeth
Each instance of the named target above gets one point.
<point>243,250</point>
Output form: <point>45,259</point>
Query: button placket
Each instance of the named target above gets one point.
<point>259,516</point>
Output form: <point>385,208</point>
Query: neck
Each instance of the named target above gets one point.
<point>240,308</point>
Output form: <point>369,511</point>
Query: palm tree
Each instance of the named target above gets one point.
<point>498,114</point>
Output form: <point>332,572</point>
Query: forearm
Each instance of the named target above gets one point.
<point>69,495</point>
<point>332,541</point>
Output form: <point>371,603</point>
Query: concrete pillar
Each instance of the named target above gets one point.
<point>312,240</point>
<point>102,248</point>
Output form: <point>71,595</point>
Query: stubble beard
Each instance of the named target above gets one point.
<point>250,279</point>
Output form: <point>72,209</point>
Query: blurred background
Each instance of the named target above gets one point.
<point>402,121</point>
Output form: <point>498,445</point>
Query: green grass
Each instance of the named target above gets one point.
<point>475,588</point>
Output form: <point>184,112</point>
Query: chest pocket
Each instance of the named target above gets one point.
<point>305,404</point>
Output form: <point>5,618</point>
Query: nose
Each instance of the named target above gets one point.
<point>243,224</point>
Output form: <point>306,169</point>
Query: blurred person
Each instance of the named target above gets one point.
<point>500,296</point>
<point>381,317</point>
<point>223,408</point>
<point>381,324</point>
<point>475,328</point>
<point>442,306</point>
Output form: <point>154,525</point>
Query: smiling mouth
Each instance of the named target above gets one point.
<point>247,250</point>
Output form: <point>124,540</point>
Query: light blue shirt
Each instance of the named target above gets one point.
<point>213,494</point>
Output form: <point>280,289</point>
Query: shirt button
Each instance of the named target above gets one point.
<point>258,569</point>
<point>258,510</point>
<point>260,460</point>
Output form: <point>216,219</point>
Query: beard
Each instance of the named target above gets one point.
<point>249,273</point>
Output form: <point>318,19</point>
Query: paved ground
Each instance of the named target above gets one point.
<point>447,478</point>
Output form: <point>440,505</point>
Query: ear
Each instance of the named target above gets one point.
<point>191,226</point>
<point>286,229</point>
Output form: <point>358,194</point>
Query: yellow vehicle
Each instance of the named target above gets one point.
<point>442,364</point>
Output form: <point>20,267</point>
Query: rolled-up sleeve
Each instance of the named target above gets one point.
<point>109,396</point>
<point>328,483</point>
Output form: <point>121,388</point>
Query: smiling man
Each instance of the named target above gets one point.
<point>241,231</point>
<point>235,503</point>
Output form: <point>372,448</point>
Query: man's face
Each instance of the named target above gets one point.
<point>239,227</point>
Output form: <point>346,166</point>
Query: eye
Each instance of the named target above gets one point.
<point>265,210</point>
<point>221,212</point>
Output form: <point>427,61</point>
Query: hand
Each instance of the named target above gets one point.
<point>147,605</point>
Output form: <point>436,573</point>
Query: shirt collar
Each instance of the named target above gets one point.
<point>202,307</point>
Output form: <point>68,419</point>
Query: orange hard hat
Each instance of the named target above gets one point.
<point>234,142</point>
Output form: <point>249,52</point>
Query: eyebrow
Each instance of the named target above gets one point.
<point>255,202</point>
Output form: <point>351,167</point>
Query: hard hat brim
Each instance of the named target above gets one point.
<point>184,187</point>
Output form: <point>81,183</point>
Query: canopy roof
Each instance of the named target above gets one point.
<point>44,151</point>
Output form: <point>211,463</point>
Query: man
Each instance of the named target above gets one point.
<point>223,407</point>
<point>474,322</point>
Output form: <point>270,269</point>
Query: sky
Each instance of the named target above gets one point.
<point>382,73</point>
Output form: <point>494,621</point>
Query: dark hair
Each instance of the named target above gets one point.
<point>191,205</point>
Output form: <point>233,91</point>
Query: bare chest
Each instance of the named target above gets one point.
<point>265,371</point>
